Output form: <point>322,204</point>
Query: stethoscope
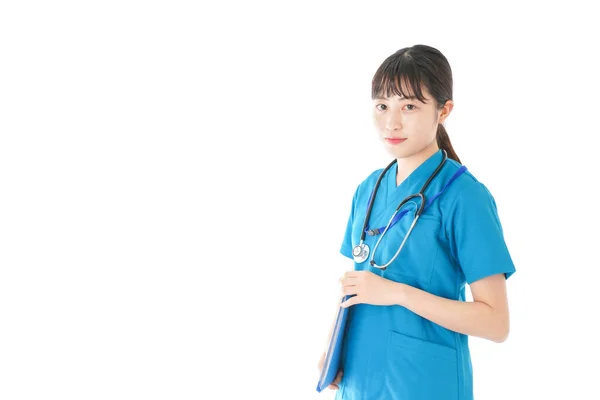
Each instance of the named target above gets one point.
<point>360,252</point>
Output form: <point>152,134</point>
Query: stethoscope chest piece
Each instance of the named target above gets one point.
<point>360,252</point>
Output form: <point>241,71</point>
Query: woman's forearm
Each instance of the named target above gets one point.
<point>471,318</point>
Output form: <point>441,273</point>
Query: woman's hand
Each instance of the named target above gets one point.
<point>335,385</point>
<point>369,288</point>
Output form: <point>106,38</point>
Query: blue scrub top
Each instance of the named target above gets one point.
<point>389,351</point>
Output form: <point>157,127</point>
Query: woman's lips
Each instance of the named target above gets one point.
<point>395,140</point>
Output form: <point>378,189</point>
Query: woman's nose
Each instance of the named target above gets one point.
<point>393,123</point>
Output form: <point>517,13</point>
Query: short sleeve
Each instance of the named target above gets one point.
<point>346,248</point>
<point>477,235</point>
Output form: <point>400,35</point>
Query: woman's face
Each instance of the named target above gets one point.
<point>408,126</point>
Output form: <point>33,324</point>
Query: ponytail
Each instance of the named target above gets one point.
<point>443,142</point>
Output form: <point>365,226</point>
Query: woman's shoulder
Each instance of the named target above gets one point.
<point>368,181</point>
<point>466,188</point>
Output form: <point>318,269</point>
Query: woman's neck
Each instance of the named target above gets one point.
<point>407,165</point>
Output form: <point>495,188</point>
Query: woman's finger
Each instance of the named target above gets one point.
<point>338,377</point>
<point>336,382</point>
<point>349,290</point>
<point>348,281</point>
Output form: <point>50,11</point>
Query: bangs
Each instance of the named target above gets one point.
<point>398,76</point>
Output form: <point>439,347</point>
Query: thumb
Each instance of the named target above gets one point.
<point>351,301</point>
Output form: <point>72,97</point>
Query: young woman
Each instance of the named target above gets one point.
<point>419,231</point>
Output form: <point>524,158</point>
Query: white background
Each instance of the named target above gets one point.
<point>175,180</point>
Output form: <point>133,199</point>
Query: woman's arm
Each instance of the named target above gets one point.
<point>486,316</point>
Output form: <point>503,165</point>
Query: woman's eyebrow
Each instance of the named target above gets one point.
<point>401,98</point>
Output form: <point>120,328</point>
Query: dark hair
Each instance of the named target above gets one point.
<point>415,66</point>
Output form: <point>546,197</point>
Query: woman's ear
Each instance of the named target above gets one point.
<point>445,111</point>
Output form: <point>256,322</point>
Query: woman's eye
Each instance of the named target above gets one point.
<point>379,107</point>
<point>410,107</point>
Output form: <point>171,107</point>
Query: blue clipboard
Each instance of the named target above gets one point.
<point>334,349</point>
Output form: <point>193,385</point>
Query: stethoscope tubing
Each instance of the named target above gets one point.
<point>361,251</point>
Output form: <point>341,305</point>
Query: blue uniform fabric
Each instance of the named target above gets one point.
<point>390,352</point>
